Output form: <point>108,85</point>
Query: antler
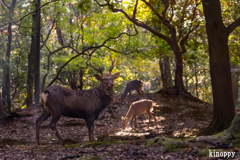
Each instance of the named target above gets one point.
<point>97,69</point>
<point>111,68</point>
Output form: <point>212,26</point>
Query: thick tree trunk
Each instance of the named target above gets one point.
<point>165,72</point>
<point>223,105</point>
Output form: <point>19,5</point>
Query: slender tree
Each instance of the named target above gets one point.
<point>34,59</point>
<point>6,82</point>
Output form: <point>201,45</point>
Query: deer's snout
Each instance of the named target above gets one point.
<point>110,85</point>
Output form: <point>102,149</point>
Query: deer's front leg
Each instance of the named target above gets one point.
<point>90,126</point>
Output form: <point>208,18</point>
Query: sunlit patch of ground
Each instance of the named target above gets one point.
<point>175,118</point>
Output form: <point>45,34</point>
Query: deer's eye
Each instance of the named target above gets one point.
<point>105,81</point>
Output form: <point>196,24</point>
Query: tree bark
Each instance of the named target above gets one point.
<point>2,115</point>
<point>165,72</point>
<point>235,88</point>
<point>179,73</point>
<point>217,33</point>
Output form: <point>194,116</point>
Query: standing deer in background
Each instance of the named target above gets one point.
<point>139,107</point>
<point>85,104</point>
<point>133,85</point>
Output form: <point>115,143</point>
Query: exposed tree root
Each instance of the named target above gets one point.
<point>172,92</point>
<point>229,137</point>
<point>213,128</point>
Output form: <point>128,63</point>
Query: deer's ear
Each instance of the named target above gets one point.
<point>116,75</point>
<point>98,77</point>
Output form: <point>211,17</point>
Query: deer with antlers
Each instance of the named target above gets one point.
<point>85,104</point>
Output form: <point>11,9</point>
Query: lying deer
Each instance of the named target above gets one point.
<point>133,85</point>
<point>85,104</point>
<point>139,107</point>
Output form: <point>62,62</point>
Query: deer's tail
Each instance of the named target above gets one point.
<point>43,97</point>
<point>154,103</point>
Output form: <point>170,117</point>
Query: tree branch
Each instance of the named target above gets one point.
<point>5,4</point>
<point>28,14</point>
<point>154,11</point>
<point>3,7</point>
<point>135,10</point>
<point>137,22</point>
<point>80,53</point>
<point>233,26</point>
<point>48,35</point>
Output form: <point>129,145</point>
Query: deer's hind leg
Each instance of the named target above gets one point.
<point>154,118</point>
<point>149,115</point>
<point>135,124</point>
<point>45,115</point>
<point>56,116</point>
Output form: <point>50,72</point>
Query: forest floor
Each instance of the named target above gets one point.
<point>176,118</point>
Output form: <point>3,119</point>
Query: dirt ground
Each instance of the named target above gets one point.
<point>176,118</point>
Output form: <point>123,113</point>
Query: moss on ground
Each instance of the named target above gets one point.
<point>44,149</point>
<point>92,158</point>
<point>175,147</point>
<point>160,141</point>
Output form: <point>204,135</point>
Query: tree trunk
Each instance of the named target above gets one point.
<point>37,51</point>
<point>33,59</point>
<point>2,115</point>
<point>223,105</point>
<point>6,79</point>
<point>30,77</point>
<point>179,73</point>
<point>165,72</point>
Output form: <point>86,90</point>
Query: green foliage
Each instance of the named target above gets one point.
<point>84,23</point>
